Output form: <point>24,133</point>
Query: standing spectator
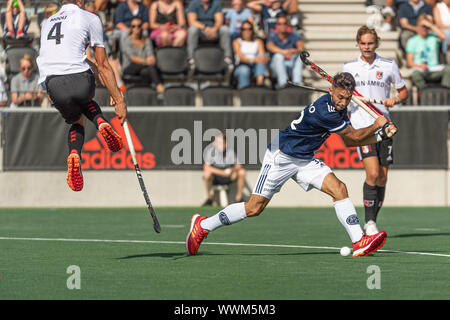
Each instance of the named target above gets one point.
<point>422,54</point>
<point>441,15</point>
<point>16,20</point>
<point>250,56</point>
<point>270,10</point>
<point>167,23</point>
<point>25,90</point>
<point>407,14</point>
<point>221,167</point>
<point>235,16</point>
<point>139,58</point>
<point>206,23</point>
<point>126,11</point>
<point>284,48</point>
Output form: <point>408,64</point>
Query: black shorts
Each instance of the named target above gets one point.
<point>383,150</point>
<point>71,93</point>
<point>218,180</point>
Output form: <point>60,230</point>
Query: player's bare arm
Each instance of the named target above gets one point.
<point>401,96</point>
<point>360,137</point>
<point>106,74</point>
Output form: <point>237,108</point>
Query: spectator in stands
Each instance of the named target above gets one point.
<point>221,167</point>
<point>167,23</point>
<point>408,13</point>
<point>3,93</point>
<point>235,16</point>
<point>16,20</point>
<point>206,23</point>
<point>284,48</point>
<point>139,58</point>
<point>25,90</point>
<point>422,54</point>
<point>123,15</point>
<point>269,10</point>
<point>250,56</point>
<point>441,15</point>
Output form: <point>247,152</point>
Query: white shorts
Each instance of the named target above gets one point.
<point>278,167</point>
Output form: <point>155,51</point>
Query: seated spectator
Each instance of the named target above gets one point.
<point>250,56</point>
<point>235,16</point>
<point>168,23</point>
<point>221,167</point>
<point>408,13</point>
<point>126,11</point>
<point>138,56</point>
<point>422,54</point>
<point>3,93</point>
<point>381,15</point>
<point>269,10</point>
<point>441,15</point>
<point>16,20</point>
<point>284,48</point>
<point>205,20</point>
<point>25,90</point>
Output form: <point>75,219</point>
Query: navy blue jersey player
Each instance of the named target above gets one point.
<point>291,156</point>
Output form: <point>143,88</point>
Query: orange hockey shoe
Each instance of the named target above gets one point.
<point>196,234</point>
<point>369,244</point>
<point>113,140</point>
<point>74,175</point>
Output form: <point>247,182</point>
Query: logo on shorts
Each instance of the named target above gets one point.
<point>352,220</point>
<point>365,149</point>
<point>224,218</point>
<point>379,75</point>
<point>96,154</point>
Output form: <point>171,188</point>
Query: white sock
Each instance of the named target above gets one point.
<point>233,213</point>
<point>346,213</point>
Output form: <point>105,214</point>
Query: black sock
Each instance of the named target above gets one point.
<point>380,198</point>
<point>76,138</point>
<point>93,112</point>
<point>370,201</point>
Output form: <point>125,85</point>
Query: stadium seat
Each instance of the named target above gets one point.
<point>435,96</point>
<point>172,63</point>
<point>217,96</point>
<point>293,96</point>
<point>102,96</point>
<point>13,56</point>
<point>179,96</point>
<point>141,96</point>
<point>209,64</point>
<point>258,96</point>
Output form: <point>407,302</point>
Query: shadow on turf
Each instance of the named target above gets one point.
<point>178,255</point>
<point>412,235</point>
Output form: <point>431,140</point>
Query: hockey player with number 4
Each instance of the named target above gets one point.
<point>291,155</point>
<point>374,76</point>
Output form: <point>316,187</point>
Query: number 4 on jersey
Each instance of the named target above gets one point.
<point>55,33</point>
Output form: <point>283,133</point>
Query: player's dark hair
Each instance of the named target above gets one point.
<point>344,80</point>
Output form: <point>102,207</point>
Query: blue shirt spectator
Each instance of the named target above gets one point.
<point>289,43</point>
<point>236,16</point>
<point>205,16</point>
<point>126,11</point>
<point>408,13</point>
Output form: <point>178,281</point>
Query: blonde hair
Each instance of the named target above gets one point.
<point>29,58</point>
<point>366,30</point>
<point>50,9</point>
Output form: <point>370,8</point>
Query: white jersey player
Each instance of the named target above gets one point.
<point>67,76</point>
<point>374,76</point>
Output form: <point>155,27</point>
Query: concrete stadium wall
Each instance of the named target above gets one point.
<point>185,188</point>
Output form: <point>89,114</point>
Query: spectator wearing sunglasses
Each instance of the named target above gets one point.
<point>250,57</point>
<point>284,48</point>
<point>25,90</point>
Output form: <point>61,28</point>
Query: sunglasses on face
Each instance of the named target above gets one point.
<point>137,26</point>
<point>281,23</point>
<point>246,29</point>
<point>26,68</point>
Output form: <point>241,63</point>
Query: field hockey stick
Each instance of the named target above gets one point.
<point>156,225</point>
<point>326,91</point>
<point>374,112</point>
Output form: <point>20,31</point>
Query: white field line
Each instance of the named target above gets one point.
<point>212,243</point>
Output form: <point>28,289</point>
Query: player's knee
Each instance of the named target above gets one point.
<point>207,175</point>
<point>372,176</point>
<point>242,173</point>
<point>341,191</point>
